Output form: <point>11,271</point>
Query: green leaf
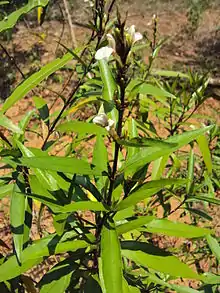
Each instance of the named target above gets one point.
<point>100,159</point>
<point>111,258</point>
<point>109,87</point>
<point>158,167</point>
<point>58,278</point>
<point>108,80</point>
<point>31,82</point>
<point>8,124</point>
<point>204,148</point>
<point>44,177</point>
<point>6,190</point>
<point>150,154</point>
<point>35,253</point>
<point>61,164</point>
<point>214,246</point>
<point>145,142</point>
<point>166,227</point>
<point>199,213</point>
<point>17,216</point>
<point>100,155</point>
<point>154,91</point>
<point>134,224</point>
<point>163,226</point>
<point>152,257</point>
<point>23,123</point>
<point>183,289</point>
<point>205,198</point>
<point>82,128</point>
<point>132,132</point>
<point>210,278</point>
<point>177,288</point>
<point>169,73</point>
<point>43,109</point>
<point>9,21</point>
<point>92,285</point>
<point>128,289</point>
<point>190,175</point>
<point>81,206</point>
<point>146,190</point>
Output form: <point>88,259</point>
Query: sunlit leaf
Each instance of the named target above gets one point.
<point>214,246</point>
<point>8,124</point>
<point>61,164</point>
<point>17,216</point>
<point>204,148</point>
<point>81,128</point>
<point>147,155</point>
<point>152,257</point>
<point>35,253</point>
<point>146,190</point>
<point>10,20</point>
<point>111,258</point>
<point>31,82</point>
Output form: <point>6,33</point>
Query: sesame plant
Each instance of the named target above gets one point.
<point>130,171</point>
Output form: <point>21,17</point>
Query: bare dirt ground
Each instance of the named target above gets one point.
<point>32,46</point>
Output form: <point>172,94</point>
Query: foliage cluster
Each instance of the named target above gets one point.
<point>131,171</point>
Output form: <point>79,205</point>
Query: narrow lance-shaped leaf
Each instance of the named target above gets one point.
<point>10,20</point>
<point>31,82</point>
<point>111,258</point>
<point>17,216</point>
<point>34,254</point>
<point>100,159</point>
<point>158,167</point>
<point>43,109</point>
<point>173,228</point>
<point>190,171</point>
<point>177,288</point>
<point>204,148</point>
<point>109,87</point>
<point>6,190</point>
<point>81,128</point>
<point>61,164</point>
<point>163,226</point>
<point>214,246</point>
<point>149,256</point>
<point>58,278</point>
<point>152,153</point>
<point>8,124</point>
<point>23,124</point>
<point>147,190</point>
<point>132,132</point>
<point>44,178</point>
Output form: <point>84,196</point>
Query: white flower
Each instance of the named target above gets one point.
<point>102,120</point>
<point>111,41</point>
<point>135,36</point>
<point>111,124</point>
<point>103,53</point>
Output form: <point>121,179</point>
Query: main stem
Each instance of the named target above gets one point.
<point>119,132</point>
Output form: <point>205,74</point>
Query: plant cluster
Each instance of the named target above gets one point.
<point>133,169</point>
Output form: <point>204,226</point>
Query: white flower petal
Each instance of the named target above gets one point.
<point>137,37</point>
<point>111,41</point>
<point>103,53</point>
<point>101,120</point>
<point>131,31</point>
